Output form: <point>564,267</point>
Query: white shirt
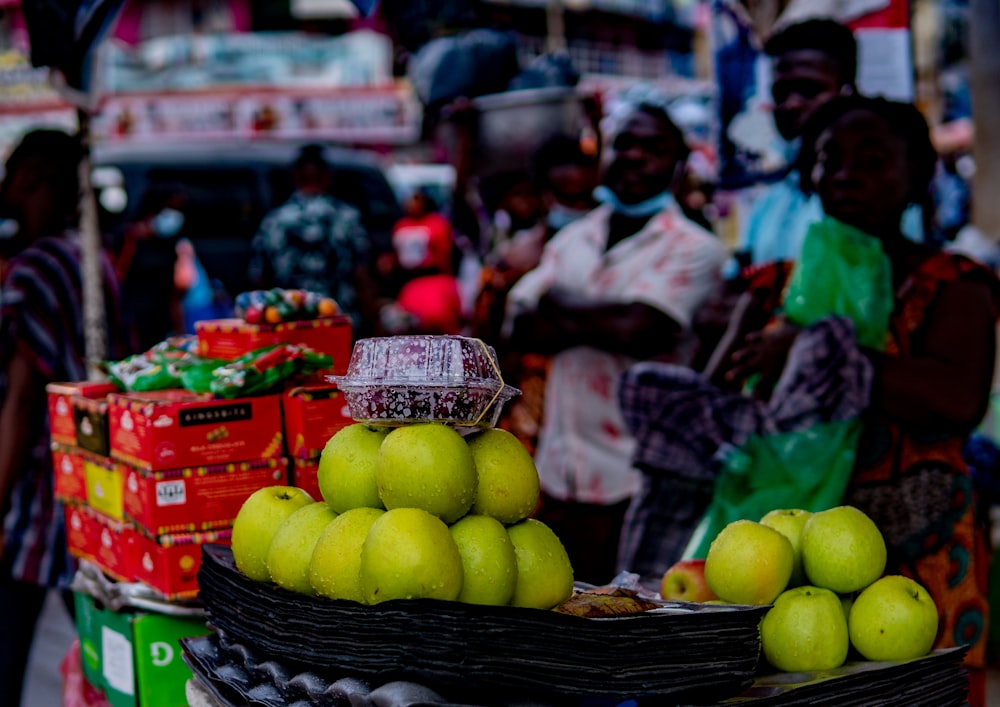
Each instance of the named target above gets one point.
<point>585,452</point>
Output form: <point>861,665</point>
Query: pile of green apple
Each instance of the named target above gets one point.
<point>413,512</point>
<point>822,573</point>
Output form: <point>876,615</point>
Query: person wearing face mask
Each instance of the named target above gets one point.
<point>812,62</point>
<point>146,264</point>
<point>619,285</point>
<point>41,341</point>
<point>565,178</point>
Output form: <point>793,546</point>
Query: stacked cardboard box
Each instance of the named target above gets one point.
<point>147,478</point>
<point>228,339</point>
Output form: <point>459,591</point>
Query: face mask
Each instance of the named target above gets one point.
<point>650,206</point>
<point>9,229</point>
<point>561,216</point>
<point>168,223</point>
<point>790,150</point>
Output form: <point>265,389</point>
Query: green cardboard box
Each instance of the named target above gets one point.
<point>134,657</point>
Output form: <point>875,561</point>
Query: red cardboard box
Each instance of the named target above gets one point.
<point>106,542</point>
<point>70,479</point>
<point>305,475</point>
<point>61,419</point>
<point>312,415</point>
<point>202,498</point>
<point>173,429</point>
<point>78,533</point>
<point>170,563</point>
<point>229,339</point>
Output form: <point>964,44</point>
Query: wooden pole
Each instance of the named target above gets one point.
<point>94,317</point>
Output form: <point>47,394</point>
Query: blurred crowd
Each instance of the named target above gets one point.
<point>595,274</point>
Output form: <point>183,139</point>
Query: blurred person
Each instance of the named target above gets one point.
<point>41,341</point>
<point>619,285</point>
<point>145,265</point>
<point>565,177</point>
<point>315,242</point>
<point>419,272</point>
<point>813,62</point>
<point>868,160</point>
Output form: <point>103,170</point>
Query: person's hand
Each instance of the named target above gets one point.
<point>764,354</point>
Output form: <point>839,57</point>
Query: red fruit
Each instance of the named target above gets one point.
<point>685,581</point>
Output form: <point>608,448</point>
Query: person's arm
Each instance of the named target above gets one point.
<point>947,385</point>
<point>635,329</point>
<point>17,407</point>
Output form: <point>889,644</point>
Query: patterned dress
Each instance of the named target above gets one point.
<point>917,487</point>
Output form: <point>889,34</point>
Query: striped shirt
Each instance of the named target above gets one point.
<point>41,318</point>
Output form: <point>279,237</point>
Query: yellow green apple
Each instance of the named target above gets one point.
<point>335,566</point>
<point>508,480</point>
<point>409,554</point>
<point>790,522</point>
<point>894,618</point>
<point>544,573</point>
<point>842,550</point>
<point>749,563</point>
<point>426,466</point>
<point>256,523</point>
<point>489,564</point>
<point>805,630</point>
<point>292,547</point>
<point>346,472</point>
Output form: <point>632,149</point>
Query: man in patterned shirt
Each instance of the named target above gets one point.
<point>619,285</point>
<point>317,243</point>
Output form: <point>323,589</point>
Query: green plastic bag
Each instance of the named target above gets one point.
<point>842,271</point>
<point>807,469</point>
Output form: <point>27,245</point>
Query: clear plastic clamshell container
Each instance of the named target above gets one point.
<point>396,380</point>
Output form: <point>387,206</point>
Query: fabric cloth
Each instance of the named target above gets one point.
<point>685,427</point>
<point>424,243</point>
<point>671,264</point>
<point>917,487</point>
<point>41,318</point>
<point>776,226</point>
<point>312,242</point>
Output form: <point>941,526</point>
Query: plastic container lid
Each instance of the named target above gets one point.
<point>396,380</point>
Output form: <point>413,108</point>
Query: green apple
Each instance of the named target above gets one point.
<point>335,567</point>
<point>291,548</point>
<point>842,550</point>
<point>508,480</point>
<point>790,522</point>
<point>257,521</point>
<point>805,630</point>
<point>426,466</point>
<point>346,472</point>
<point>409,554</point>
<point>489,564</point>
<point>544,573</point>
<point>893,619</point>
<point>749,563</point>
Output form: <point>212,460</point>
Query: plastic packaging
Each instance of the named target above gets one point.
<point>397,380</point>
<point>842,271</point>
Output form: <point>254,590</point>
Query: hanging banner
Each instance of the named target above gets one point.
<point>386,115</point>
